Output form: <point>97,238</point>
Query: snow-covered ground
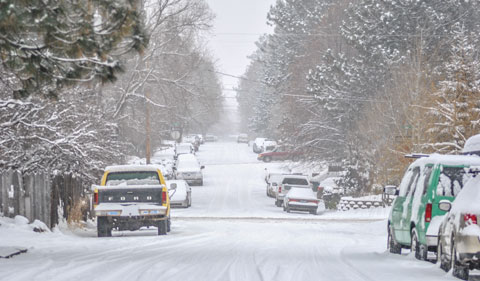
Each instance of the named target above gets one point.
<point>233,231</point>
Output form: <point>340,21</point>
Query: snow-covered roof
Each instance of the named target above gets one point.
<point>472,145</point>
<point>296,176</point>
<point>131,168</point>
<point>467,200</point>
<point>187,157</point>
<point>449,160</point>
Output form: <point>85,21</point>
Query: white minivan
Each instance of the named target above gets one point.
<point>189,169</point>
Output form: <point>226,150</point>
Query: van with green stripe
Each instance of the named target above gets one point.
<point>415,216</point>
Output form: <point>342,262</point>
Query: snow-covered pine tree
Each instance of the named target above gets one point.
<point>50,44</point>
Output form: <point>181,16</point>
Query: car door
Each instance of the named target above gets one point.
<point>407,212</point>
<point>399,207</point>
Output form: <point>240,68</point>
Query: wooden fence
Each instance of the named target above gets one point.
<point>42,196</point>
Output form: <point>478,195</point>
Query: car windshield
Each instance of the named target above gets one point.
<point>451,181</point>
<point>133,178</point>
<point>295,181</point>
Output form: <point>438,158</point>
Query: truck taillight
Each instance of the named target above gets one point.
<point>164,196</point>
<point>428,212</point>
<point>470,219</point>
<point>95,198</point>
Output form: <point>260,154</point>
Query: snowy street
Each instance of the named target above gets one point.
<point>233,231</point>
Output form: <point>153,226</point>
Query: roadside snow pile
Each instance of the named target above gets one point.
<point>13,229</point>
<point>22,223</point>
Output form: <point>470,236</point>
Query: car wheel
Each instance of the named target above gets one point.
<point>295,158</point>
<point>313,212</point>
<point>162,227</point>
<point>189,199</point>
<point>414,245</point>
<point>392,245</point>
<point>445,264</point>
<point>287,209</point>
<point>460,271</point>
<point>267,159</point>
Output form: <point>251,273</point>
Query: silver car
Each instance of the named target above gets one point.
<point>180,193</point>
<point>459,232</point>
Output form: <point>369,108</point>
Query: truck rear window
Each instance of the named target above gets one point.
<point>133,178</point>
<point>451,181</point>
<point>295,181</point>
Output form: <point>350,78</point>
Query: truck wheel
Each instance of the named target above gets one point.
<point>169,223</point>
<point>103,227</point>
<point>162,227</point>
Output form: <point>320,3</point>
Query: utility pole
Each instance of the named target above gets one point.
<point>147,129</point>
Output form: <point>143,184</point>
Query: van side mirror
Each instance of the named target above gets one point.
<point>390,190</point>
<point>445,205</point>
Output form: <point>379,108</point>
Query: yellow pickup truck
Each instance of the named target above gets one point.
<point>130,197</point>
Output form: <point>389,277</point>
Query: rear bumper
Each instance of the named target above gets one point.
<point>174,204</point>
<point>135,222</point>
<point>307,207</point>
<point>468,245</point>
<point>432,240</point>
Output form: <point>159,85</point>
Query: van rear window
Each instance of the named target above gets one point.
<point>451,181</point>
<point>295,181</point>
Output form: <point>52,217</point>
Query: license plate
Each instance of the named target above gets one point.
<point>112,213</point>
<point>154,212</point>
<point>303,201</point>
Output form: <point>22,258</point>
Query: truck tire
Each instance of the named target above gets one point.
<point>169,223</point>
<point>162,227</point>
<point>103,227</point>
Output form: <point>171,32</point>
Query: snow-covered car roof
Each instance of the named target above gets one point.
<point>187,157</point>
<point>296,176</point>
<point>132,168</point>
<point>329,182</point>
<point>448,160</point>
<point>472,145</point>
<point>468,198</point>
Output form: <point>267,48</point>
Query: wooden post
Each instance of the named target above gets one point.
<point>147,129</point>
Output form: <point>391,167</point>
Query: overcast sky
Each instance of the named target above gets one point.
<point>238,24</point>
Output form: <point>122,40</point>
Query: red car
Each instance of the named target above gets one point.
<point>279,153</point>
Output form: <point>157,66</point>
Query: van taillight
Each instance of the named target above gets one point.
<point>428,212</point>
<point>280,189</point>
<point>470,219</point>
<point>95,198</point>
<point>164,196</point>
